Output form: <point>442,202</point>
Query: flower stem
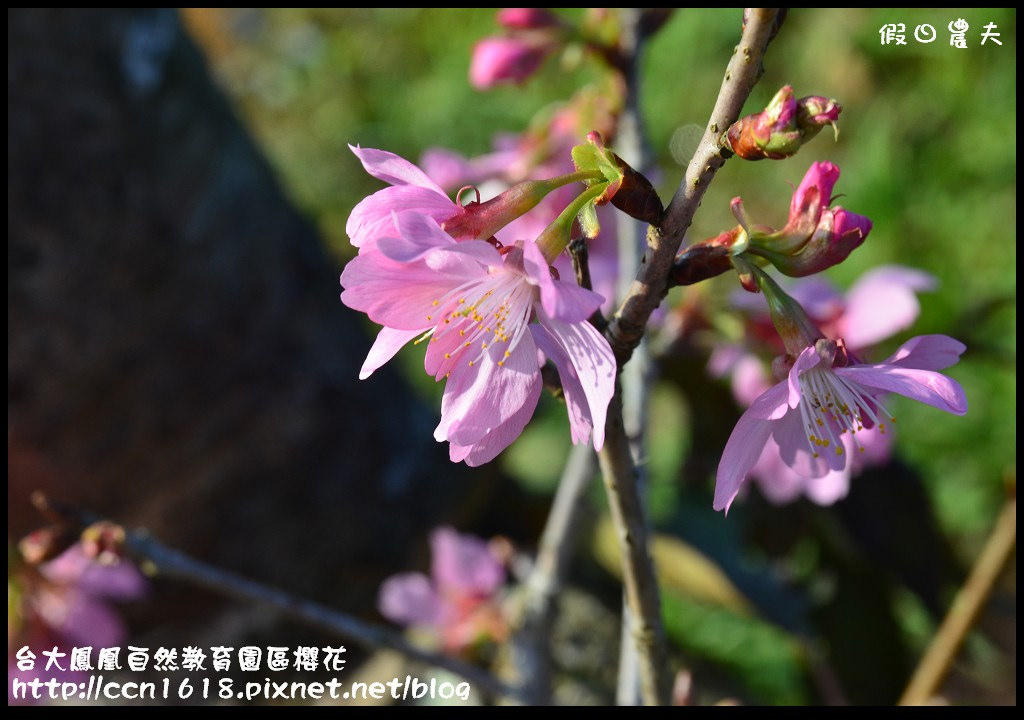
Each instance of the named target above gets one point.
<point>555,237</point>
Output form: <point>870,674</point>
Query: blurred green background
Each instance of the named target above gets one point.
<point>927,150</point>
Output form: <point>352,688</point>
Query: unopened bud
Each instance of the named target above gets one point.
<point>815,112</point>
<point>782,128</point>
<point>528,18</point>
<point>707,258</point>
<point>816,236</point>
<point>500,60</point>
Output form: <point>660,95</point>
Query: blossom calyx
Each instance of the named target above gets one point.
<point>627,189</point>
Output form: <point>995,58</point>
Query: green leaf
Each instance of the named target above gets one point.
<point>588,221</point>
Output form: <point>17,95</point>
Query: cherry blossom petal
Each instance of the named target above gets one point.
<point>464,563</point>
<point>928,352</point>
<point>742,450</point>
<point>925,386</point>
<point>393,169</point>
<point>882,303</point>
<point>372,217</point>
<point>484,395</point>
<point>409,599</point>
<point>594,363</point>
<point>497,439</point>
<point>387,344</point>
<point>580,422</point>
<point>561,300</point>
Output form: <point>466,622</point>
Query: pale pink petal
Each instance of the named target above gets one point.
<point>372,216</point>
<point>834,485</point>
<point>928,352</point>
<point>772,404</point>
<point>580,422</point>
<point>882,303</point>
<point>117,581</point>
<point>877,449</point>
<point>503,60</point>
<point>409,599</point>
<point>464,563</point>
<point>749,379</point>
<point>594,362</point>
<point>724,358</point>
<point>388,343</point>
<point>796,451</point>
<point>561,300</point>
<point>499,438</point>
<point>448,169</point>
<point>779,484</point>
<point>393,169</point>
<point>483,396</point>
<point>400,296</point>
<point>807,359</point>
<point>741,452</point>
<point>925,386</point>
<point>830,488</point>
<point>421,238</point>
<point>818,297</point>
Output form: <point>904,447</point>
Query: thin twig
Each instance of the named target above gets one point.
<point>966,607</point>
<point>649,287</point>
<point>625,332</point>
<point>581,267</point>
<point>531,644</point>
<point>175,564</point>
<point>630,144</point>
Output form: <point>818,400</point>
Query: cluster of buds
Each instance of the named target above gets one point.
<point>815,237</point>
<point>783,127</point>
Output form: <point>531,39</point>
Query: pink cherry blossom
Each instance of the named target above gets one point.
<point>66,603</point>
<point>881,303</point>
<point>488,320</point>
<point>498,60</point>
<point>809,413</point>
<point>459,601</point>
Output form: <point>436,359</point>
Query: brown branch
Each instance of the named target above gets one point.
<point>625,332</point>
<point>175,564</point>
<point>965,609</point>
<point>663,242</point>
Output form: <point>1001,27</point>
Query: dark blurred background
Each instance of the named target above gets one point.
<point>178,185</point>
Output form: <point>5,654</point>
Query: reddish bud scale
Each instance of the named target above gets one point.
<point>635,195</point>
<point>705,259</point>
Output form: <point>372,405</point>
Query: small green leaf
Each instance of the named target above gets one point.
<point>588,221</point>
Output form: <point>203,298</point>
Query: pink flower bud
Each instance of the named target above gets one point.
<point>781,128</point>
<point>815,112</point>
<point>498,60</point>
<point>839,233</point>
<point>527,18</point>
<point>816,236</point>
